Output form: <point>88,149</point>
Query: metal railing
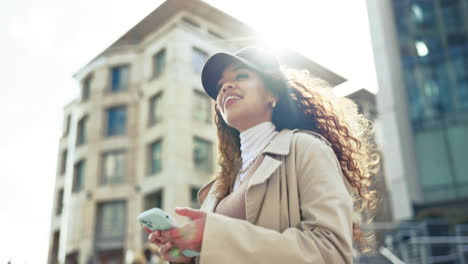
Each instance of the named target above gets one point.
<point>428,242</point>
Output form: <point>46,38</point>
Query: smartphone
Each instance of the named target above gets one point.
<point>157,219</point>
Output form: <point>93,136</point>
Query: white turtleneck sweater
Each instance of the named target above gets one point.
<point>253,141</point>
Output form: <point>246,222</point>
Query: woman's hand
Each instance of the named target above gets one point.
<point>172,254</point>
<point>188,236</point>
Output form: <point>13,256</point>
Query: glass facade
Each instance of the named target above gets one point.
<point>432,37</point>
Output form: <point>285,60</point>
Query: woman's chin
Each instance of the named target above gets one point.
<point>234,121</point>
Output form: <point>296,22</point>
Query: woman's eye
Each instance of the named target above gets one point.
<point>242,76</point>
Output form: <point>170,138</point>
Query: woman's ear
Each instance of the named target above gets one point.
<point>272,101</point>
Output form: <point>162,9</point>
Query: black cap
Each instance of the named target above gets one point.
<point>252,57</point>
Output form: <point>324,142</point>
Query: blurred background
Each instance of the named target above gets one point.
<point>104,116</point>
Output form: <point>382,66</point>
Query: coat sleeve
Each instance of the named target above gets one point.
<point>325,232</point>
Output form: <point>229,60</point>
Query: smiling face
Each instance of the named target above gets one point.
<point>243,99</point>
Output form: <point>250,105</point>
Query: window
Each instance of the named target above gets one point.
<point>194,197</point>
<point>81,133</point>
<point>72,258</point>
<point>86,90</point>
<point>111,256</point>
<point>159,61</point>
<point>113,167</point>
<point>201,107</point>
<point>119,78</point>
<point>153,200</point>
<point>155,109</point>
<point>199,58</point>
<point>67,126</point>
<point>155,153</point>
<point>457,42</point>
<point>78,176</point>
<point>116,121</point>
<point>59,208</point>
<point>452,14</point>
<point>202,154</point>
<point>110,224</point>
<point>55,248</point>
<point>423,14</point>
<point>63,162</point>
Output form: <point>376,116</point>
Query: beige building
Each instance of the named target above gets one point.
<point>141,133</point>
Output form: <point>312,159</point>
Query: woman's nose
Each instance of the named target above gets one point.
<point>226,86</point>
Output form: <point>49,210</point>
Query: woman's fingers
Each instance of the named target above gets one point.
<point>155,238</point>
<point>165,248</point>
<point>169,235</point>
<point>190,213</point>
<point>172,254</point>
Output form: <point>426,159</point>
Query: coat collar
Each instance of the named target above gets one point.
<point>280,143</point>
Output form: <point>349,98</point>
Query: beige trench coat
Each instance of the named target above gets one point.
<point>298,209</point>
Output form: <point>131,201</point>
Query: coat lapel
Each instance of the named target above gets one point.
<point>255,193</point>
<point>278,146</point>
<point>264,171</point>
<point>256,190</point>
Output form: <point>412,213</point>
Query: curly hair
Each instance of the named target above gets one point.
<point>308,103</point>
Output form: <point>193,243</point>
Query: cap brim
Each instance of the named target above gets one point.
<point>213,69</point>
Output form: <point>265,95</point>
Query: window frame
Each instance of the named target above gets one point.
<point>99,239</point>
<point>86,88</point>
<point>75,187</point>
<point>63,161</point>
<point>198,95</point>
<point>155,73</point>
<point>59,202</point>
<point>150,171</point>
<point>81,133</point>
<point>209,168</point>
<point>102,178</point>
<point>66,129</point>
<point>111,78</point>
<point>197,69</point>
<point>152,119</point>
<point>106,116</point>
<point>194,194</point>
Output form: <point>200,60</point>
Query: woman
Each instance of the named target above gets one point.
<point>293,157</point>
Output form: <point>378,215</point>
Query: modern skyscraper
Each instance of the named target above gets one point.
<point>141,133</point>
<point>421,56</point>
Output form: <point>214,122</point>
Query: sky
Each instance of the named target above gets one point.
<point>43,43</point>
